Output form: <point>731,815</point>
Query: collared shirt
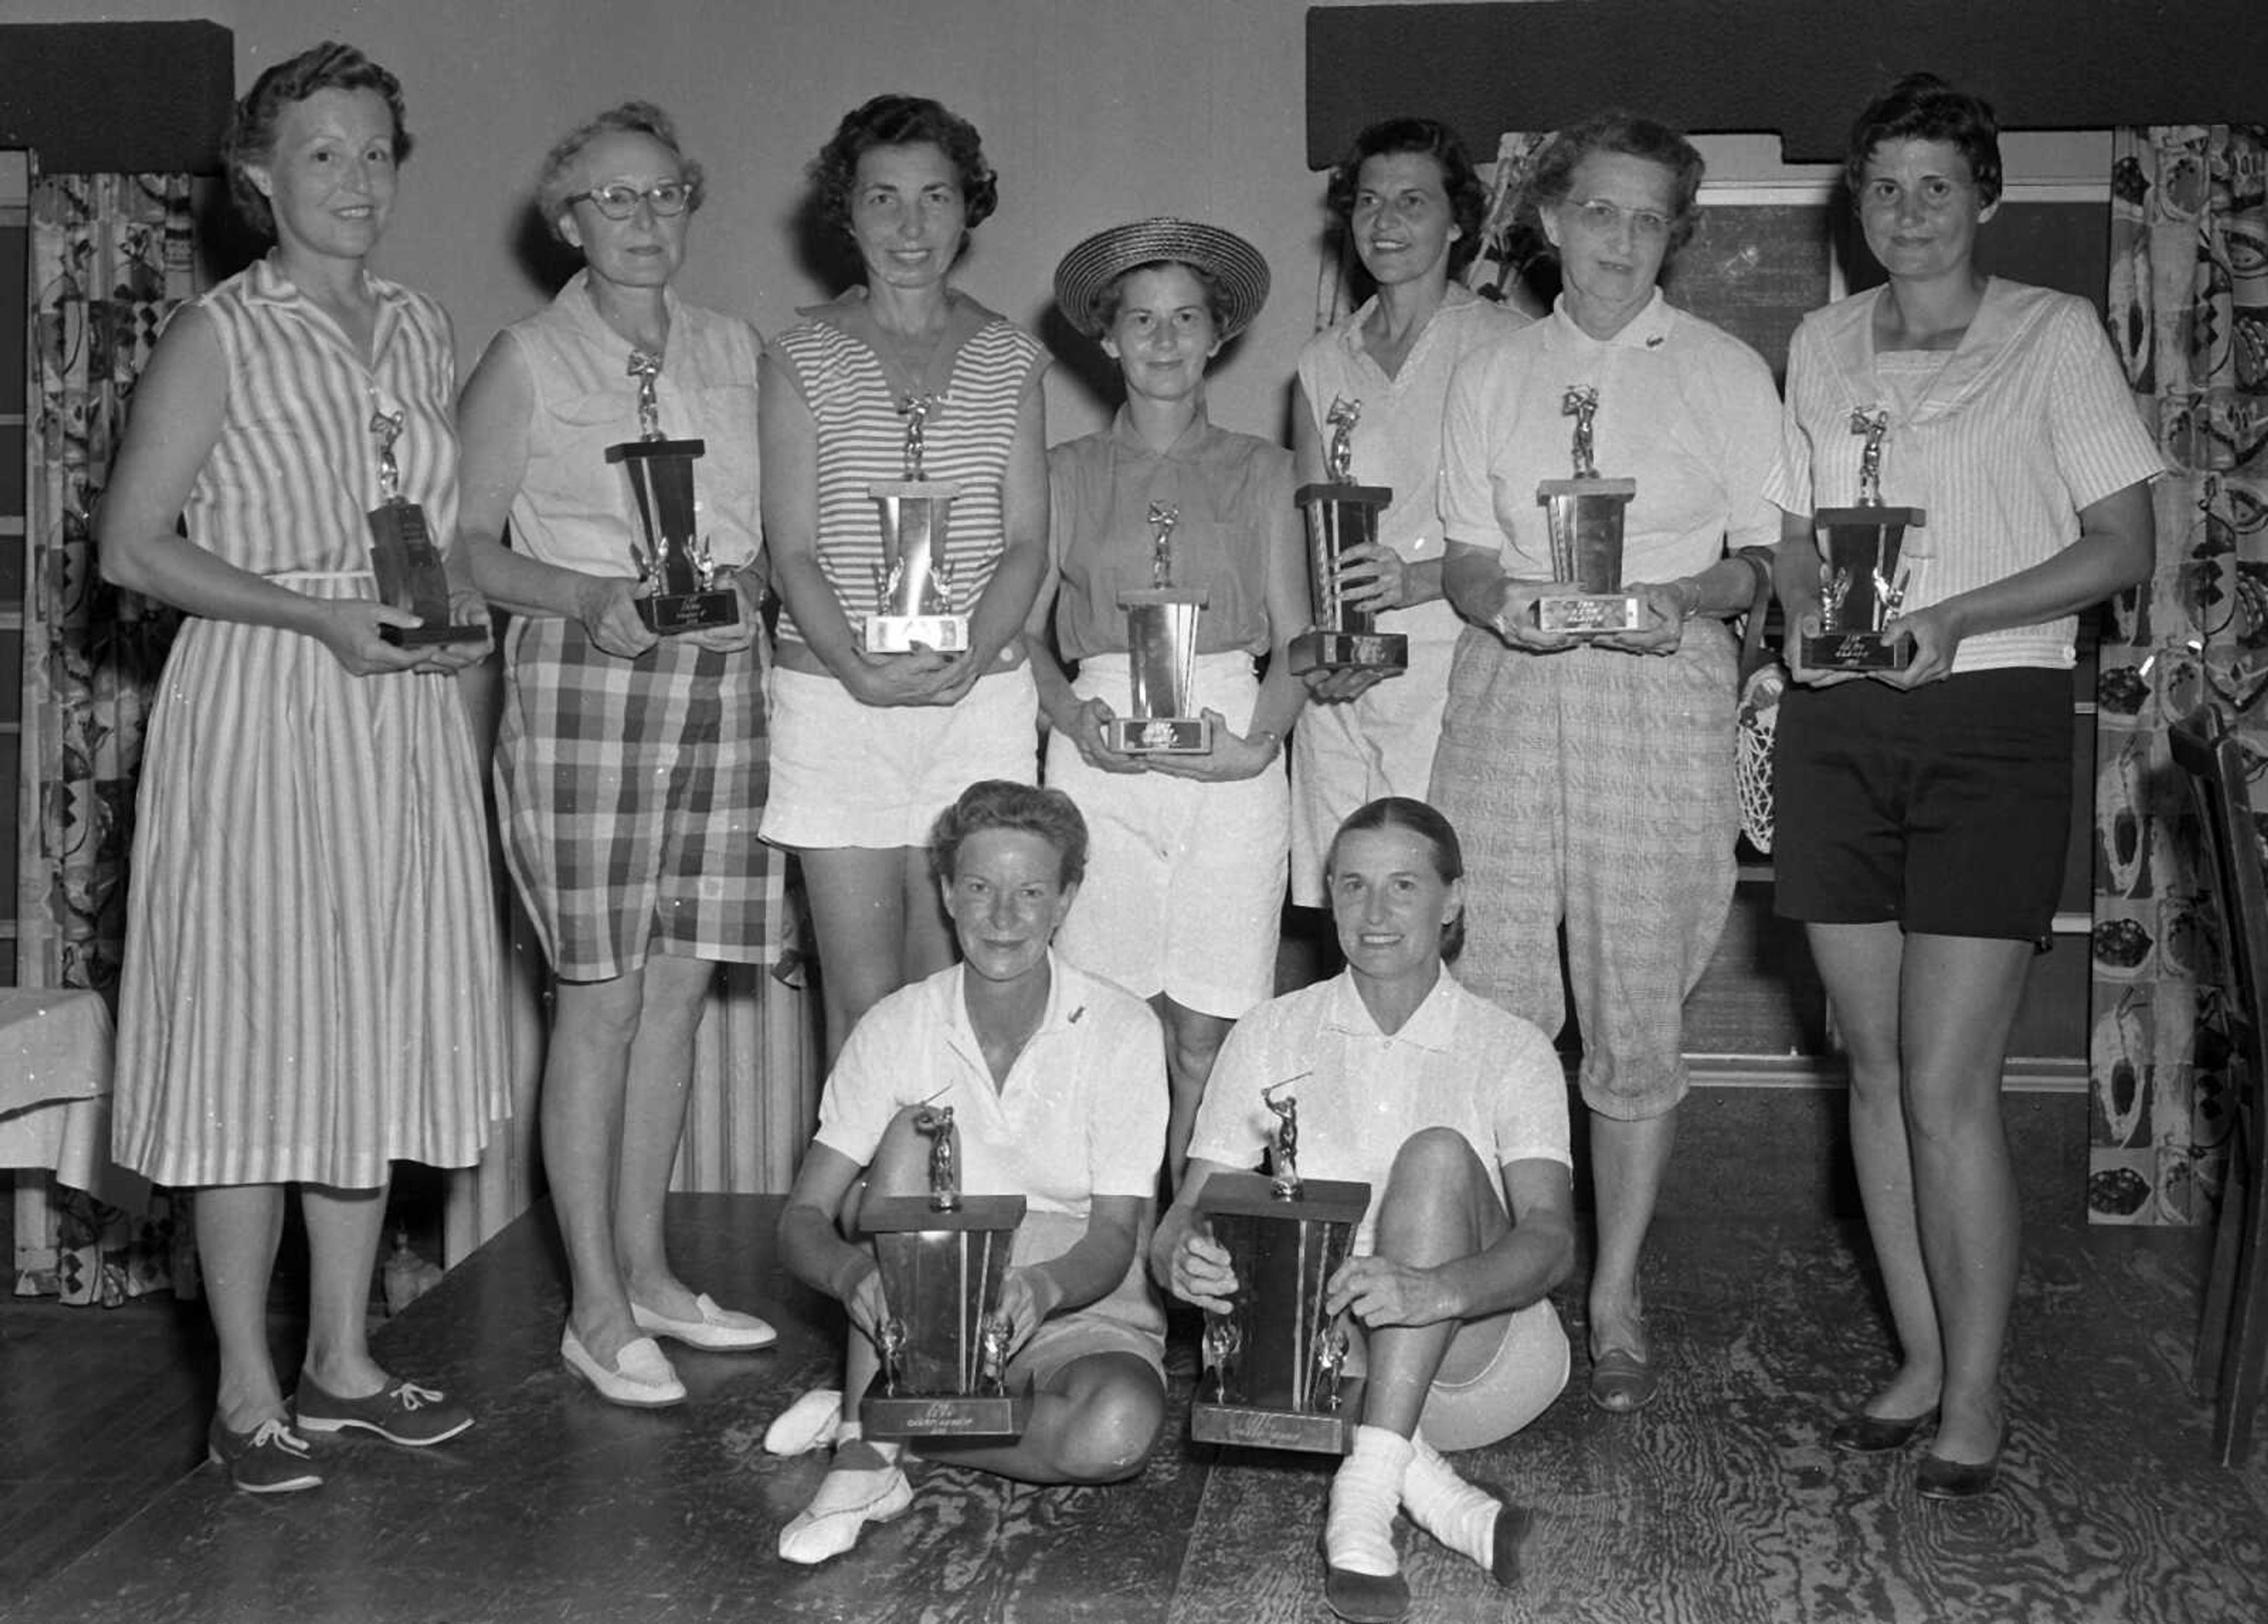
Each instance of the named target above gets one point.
<point>1459,1061</point>
<point>1081,1114</point>
<point>574,507</point>
<point>1999,441</point>
<point>291,481</point>
<point>1685,409</point>
<point>1397,441</point>
<point>1233,497</point>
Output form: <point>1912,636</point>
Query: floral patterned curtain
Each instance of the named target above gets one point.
<point>2189,313</point>
<point>111,256</point>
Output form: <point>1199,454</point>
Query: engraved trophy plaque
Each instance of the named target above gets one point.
<point>1862,579</point>
<point>1342,514</point>
<point>1162,652</point>
<point>944,1344</point>
<point>678,580</point>
<point>1272,1363</point>
<point>1586,514</point>
<point>912,586</point>
<point>402,557</point>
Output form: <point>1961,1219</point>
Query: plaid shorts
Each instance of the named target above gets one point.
<point>631,791</point>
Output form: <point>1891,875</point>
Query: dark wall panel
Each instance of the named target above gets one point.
<point>1798,67</point>
<point>117,98</point>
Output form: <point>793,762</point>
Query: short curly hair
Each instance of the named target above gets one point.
<point>251,136</point>
<point>1468,193</point>
<point>1921,106</point>
<point>996,804</point>
<point>897,120</point>
<point>558,179</point>
<point>1614,130</point>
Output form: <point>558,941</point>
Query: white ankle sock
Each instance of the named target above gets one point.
<point>1359,1529</point>
<point>1442,1503</point>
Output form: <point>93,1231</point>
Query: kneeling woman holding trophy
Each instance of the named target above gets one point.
<point>631,761</point>
<point>1034,1086</point>
<point>1455,1116</point>
<point>1177,558</point>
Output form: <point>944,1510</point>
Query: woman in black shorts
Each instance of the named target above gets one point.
<point>1924,814</point>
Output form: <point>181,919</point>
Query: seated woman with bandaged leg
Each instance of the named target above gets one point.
<point>1455,1115</point>
<point>1056,1085</point>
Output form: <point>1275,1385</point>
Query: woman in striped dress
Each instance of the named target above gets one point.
<point>629,767</point>
<point>867,749</point>
<point>309,991</point>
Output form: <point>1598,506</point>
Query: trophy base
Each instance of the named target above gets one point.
<point>431,633</point>
<point>903,633</point>
<point>1314,1432</point>
<point>1159,735</point>
<point>1856,650</point>
<point>944,1415</point>
<point>1338,650</point>
<point>669,613</point>
<point>1589,614</point>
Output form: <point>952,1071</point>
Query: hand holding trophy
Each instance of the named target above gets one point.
<point>678,578</point>
<point>1273,1362</point>
<point>1342,515</point>
<point>914,606</point>
<point>944,1342</point>
<point>1585,514</point>
<point>1862,579</point>
<point>1161,646</point>
<point>402,557</point>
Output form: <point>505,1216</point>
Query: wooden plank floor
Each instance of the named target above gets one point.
<point>1722,1502</point>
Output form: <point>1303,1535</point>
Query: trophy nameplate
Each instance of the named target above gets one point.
<point>944,1346</point>
<point>1862,581</point>
<point>1341,514</point>
<point>1585,514</point>
<point>1272,1373</point>
<point>678,580</point>
<point>1161,646</point>
<point>914,607</point>
<point>407,566</point>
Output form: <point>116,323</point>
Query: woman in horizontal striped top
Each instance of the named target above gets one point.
<point>868,748</point>
<point>1922,814</point>
<point>309,991</point>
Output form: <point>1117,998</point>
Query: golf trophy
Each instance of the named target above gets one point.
<point>944,1344</point>
<point>1273,1363</point>
<point>403,557</point>
<point>1342,514</point>
<point>1862,579</point>
<point>1587,538</point>
<point>678,580</point>
<point>914,596</point>
<point>1161,649</point>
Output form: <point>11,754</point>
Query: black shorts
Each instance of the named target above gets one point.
<point>1946,808</point>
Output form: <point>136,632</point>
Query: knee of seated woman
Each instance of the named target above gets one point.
<point>1113,1420</point>
<point>1437,1153</point>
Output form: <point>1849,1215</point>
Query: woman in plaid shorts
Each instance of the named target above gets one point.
<point>632,767</point>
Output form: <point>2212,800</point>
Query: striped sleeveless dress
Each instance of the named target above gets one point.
<point>311,982</point>
<point>862,439</point>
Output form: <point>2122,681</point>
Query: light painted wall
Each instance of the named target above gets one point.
<point>1092,113</point>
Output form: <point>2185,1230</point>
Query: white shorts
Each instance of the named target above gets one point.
<point>1516,1382</point>
<point>1184,888</point>
<point>845,774</point>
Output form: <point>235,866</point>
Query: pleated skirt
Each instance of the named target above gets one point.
<point>311,986</point>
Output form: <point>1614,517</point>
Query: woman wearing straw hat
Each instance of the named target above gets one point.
<point>1186,883</point>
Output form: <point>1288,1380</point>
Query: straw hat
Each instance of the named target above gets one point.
<point>1087,271</point>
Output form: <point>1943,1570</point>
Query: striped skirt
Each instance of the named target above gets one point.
<point>311,982</point>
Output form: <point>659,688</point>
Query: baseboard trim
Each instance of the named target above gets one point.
<point>2023,1076</point>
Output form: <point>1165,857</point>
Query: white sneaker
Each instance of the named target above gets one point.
<point>642,1377</point>
<point>811,1422</point>
<point>848,1498</point>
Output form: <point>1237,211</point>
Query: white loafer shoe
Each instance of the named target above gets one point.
<point>642,1377</point>
<point>811,1422</point>
<point>719,1330</point>
<point>848,1498</point>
